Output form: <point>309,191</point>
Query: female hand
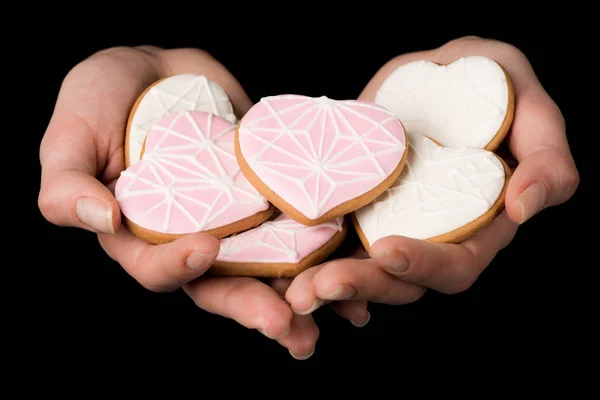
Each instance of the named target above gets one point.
<point>399,270</point>
<point>82,156</point>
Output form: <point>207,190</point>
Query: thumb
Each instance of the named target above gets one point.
<point>546,177</point>
<point>76,199</point>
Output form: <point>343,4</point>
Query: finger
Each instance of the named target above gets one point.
<point>447,268</point>
<point>302,339</point>
<point>351,279</point>
<point>85,135</point>
<point>304,333</point>
<point>83,138</point>
<point>544,178</point>
<point>354,311</point>
<point>165,267</point>
<point>301,293</point>
<point>248,301</point>
<point>75,198</point>
<point>546,174</point>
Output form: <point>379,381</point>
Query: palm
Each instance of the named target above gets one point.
<point>399,269</point>
<point>88,127</point>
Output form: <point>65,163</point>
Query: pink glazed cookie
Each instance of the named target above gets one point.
<point>188,180</point>
<point>317,159</point>
<point>281,248</point>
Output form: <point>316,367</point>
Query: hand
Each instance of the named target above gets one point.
<point>399,270</point>
<point>82,156</point>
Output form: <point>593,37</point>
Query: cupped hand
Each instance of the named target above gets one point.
<point>82,156</point>
<point>398,270</point>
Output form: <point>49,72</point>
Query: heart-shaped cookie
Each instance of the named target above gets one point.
<point>172,94</point>
<point>187,181</point>
<point>443,195</point>
<point>281,248</point>
<point>469,102</point>
<point>317,159</point>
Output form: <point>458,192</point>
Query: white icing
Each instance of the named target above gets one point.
<point>461,104</point>
<point>439,191</point>
<point>316,159</point>
<point>173,94</point>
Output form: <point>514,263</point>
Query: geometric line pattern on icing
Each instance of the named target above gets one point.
<point>281,240</point>
<point>318,153</point>
<point>439,190</point>
<point>173,94</point>
<point>188,179</point>
<point>460,104</point>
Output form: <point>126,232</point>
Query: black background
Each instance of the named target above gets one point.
<point>86,310</point>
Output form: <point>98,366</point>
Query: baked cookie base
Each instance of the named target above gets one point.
<point>280,270</point>
<point>221,232</point>
<point>464,232</point>
<point>338,211</point>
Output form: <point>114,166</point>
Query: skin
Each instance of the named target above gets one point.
<point>82,155</point>
<point>399,270</point>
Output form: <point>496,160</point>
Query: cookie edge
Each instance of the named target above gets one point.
<point>239,226</point>
<point>281,270</point>
<point>464,232</point>
<point>340,210</point>
<point>132,112</point>
<point>497,140</point>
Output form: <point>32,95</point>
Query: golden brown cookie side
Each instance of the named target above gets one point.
<point>220,232</point>
<point>280,270</point>
<point>338,211</point>
<point>130,119</point>
<point>497,140</point>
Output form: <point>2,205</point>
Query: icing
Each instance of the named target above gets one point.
<point>317,153</point>
<point>461,104</point>
<point>176,93</point>
<point>282,240</point>
<point>188,179</point>
<point>439,190</point>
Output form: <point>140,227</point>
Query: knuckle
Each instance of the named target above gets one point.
<point>47,202</point>
<point>153,285</point>
<point>466,38</point>
<point>105,241</point>
<point>415,294</point>
<point>188,52</point>
<point>306,343</point>
<point>278,320</point>
<point>419,267</point>
<point>461,284</point>
<point>116,50</point>
<point>572,179</point>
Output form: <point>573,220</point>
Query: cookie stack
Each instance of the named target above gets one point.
<point>281,186</point>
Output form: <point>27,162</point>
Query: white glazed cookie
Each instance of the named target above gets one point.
<point>469,102</point>
<point>173,94</point>
<point>443,195</point>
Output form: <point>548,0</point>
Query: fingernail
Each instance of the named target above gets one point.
<point>531,200</point>
<point>342,292</point>
<point>198,261</point>
<point>363,323</point>
<point>283,336</point>
<point>302,357</point>
<point>317,303</point>
<point>392,260</point>
<point>96,214</point>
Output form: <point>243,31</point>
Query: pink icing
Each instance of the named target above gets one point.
<point>282,240</point>
<point>318,153</point>
<point>188,179</point>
